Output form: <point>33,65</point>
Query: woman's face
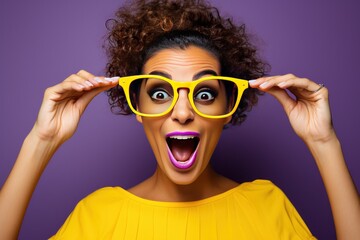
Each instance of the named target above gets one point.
<point>182,141</point>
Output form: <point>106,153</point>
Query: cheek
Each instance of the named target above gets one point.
<point>214,125</point>
<point>152,128</point>
<point>213,130</point>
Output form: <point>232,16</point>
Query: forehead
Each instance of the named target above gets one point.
<point>182,62</point>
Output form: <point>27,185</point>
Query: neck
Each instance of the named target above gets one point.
<point>208,184</point>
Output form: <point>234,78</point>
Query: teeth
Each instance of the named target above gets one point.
<point>182,137</point>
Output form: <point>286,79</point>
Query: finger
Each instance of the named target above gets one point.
<point>82,82</point>
<point>84,74</point>
<point>84,78</point>
<point>286,101</point>
<point>78,84</point>
<point>88,81</point>
<point>64,90</point>
<point>300,84</point>
<point>92,79</point>
<point>89,96</point>
<point>263,81</point>
<point>284,82</point>
<point>97,80</point>
<point>69,88</point>
<point>100,84</point>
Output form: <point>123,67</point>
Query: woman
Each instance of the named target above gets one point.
<point>177,45</point>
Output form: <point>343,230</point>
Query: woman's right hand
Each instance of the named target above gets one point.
<point>59,115</point>
<point>64,103</point>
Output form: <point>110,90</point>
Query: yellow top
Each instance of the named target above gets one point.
<point>254,210</point>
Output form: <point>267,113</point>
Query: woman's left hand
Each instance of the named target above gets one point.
<point>309,113</point>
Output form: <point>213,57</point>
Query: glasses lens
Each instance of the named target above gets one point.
<point>215,97</point>
<point>151,95</point>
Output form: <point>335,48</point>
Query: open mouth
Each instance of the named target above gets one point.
<point>182,148</point>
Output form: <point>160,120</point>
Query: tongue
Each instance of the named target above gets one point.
<point>182,150</point>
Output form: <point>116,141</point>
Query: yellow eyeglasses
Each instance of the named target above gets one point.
<point>156,96</point>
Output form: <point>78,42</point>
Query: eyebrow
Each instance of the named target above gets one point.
<point>161,74</point>
<point>204,72</point>
<point>196,76</point>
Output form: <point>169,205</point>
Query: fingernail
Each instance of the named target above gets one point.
<point>252,81</point>
<point>112,79</point>
<point>263,84</point>
<point>89,83</point>
<point>281,84</point>
<point>97,79</point>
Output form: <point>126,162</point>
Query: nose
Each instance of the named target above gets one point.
<point>182,111</point>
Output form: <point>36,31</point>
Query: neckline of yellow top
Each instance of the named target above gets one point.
<point>181,204</point>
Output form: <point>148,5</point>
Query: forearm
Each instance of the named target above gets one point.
<point>21,182</point>
<point>343,195</point>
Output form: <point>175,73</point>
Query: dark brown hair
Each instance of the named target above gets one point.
<point>140,23</point>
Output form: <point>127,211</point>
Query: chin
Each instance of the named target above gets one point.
<point>182,179</point>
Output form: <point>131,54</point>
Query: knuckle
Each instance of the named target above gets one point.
<point>326,90</point>
<point>48,91</point>
<point>72,77</point>
<point>305,80</point>
<point>82,71</point>
<point>290,75</point>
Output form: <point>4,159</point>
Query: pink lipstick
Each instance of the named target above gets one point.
<point>182,148</point>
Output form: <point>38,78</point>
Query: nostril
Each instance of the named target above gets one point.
<point>182,111</point>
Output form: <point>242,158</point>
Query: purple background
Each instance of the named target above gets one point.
<point>42,42</point>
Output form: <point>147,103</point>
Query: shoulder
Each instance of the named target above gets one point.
<point>93,214</point>
<point>258,183</point>
<point>263,193</point>
<point>104,196</point>
<point>100,206</point>
<point>271,204</point>
<point>266,199</point>
<point>101,201</point>
<point>259,186</point>
<point>106,192</point>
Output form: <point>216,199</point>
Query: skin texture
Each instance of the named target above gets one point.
<point>169,183</point>
<point>310,117</point>
<point>64,103</point>
<point>58,118</point>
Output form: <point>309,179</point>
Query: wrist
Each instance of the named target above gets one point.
<point>325,150</point>
<point>325,138</point>
<point>38,150</point>
<point>43,139</point>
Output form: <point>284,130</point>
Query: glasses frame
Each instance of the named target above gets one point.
<point>126,81</point>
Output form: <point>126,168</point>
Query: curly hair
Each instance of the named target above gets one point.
<point>140,23</point>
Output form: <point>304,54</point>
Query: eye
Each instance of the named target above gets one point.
<point>159,95</point>
<point>205,95</point>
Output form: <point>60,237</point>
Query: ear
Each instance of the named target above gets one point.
<point>139,118</point>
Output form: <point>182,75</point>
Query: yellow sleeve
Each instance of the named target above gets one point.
<point>278,212</point>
